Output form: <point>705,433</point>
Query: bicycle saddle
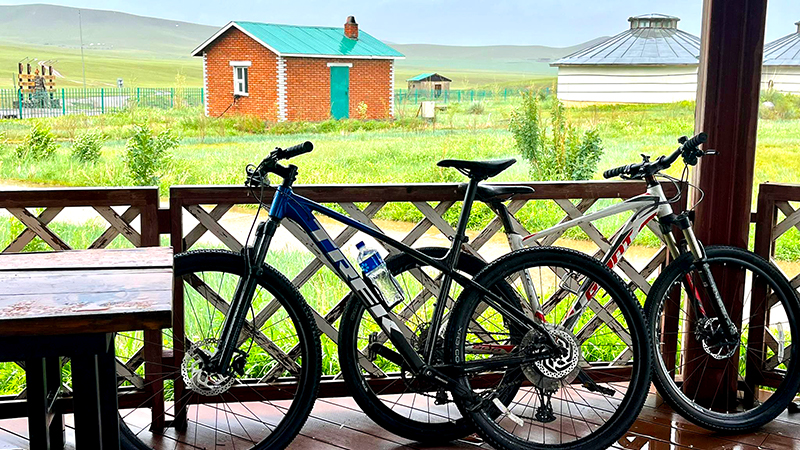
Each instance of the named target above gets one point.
<point>478,169</point>
<point>489,193</point>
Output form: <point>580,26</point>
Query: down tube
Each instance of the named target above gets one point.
<point>342,267</point>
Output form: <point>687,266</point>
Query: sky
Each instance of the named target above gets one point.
<point>556,23</point>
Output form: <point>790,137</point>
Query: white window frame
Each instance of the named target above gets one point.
<point>236,65</point>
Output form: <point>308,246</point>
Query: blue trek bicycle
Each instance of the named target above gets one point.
<point>517,350</point>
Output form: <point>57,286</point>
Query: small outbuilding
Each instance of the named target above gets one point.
<point>429,82</point>
<point>288,72</point>
<point>781,67</point>
<point>651,62</point>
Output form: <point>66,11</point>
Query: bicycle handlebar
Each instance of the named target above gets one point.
<point>688,149</point>
<point>257,176</point>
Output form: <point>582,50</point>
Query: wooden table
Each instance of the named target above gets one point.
<point>70,304</point>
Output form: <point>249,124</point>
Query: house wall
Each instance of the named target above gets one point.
<point>262,100</point>
<point>427,85</point>
<point>782,78</point>
<point>308,87</point>
<point>627,84</point>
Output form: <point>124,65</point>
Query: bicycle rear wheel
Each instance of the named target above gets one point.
<point>586,398</point>
<point>279,356</point>
<point>401,404</point>
<point>760,366</point>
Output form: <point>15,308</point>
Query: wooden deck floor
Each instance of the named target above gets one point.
<point>338,423</point>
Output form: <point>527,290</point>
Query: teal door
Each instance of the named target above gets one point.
<point>340,92</point>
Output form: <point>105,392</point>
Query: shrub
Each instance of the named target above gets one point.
<point>87,147</point>
<point>779,106</point>
<point>476,108</point>
<point>564,154</point>
<point>147,156</point>
<point>39,144</point>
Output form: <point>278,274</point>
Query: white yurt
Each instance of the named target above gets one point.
<point>781,68</point>
<point>651,62</point>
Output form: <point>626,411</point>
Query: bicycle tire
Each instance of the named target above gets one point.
<point>399,419</point>
<point>290,310</point>
<point>491,423</point>
<point>707,417</point>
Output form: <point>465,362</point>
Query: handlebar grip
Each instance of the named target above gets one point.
<point>695,142</point>
<point>611,173</point>
<point>297,150</point>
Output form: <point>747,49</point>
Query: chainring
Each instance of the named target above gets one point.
<point>549,374</point>
<point>194,374</point>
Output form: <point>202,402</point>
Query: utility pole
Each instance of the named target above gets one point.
<point>83,61</point>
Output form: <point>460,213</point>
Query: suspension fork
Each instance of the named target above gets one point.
<point>700,264</point>
<point>243,297</point>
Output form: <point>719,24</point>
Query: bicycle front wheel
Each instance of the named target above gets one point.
<point>586,398</point>
<point>732,385</point>
<point>278,358</point>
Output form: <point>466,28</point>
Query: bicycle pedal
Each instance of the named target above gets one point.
<point>603,390</point>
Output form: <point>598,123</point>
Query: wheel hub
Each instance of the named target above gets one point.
<point>194,374</point>
<point>548,374</point>
<point>713,339</point>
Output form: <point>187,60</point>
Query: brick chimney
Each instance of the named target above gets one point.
<point>351,28</point>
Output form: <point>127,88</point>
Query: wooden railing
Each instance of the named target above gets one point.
<point>778,212</point>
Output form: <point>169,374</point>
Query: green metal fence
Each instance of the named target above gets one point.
<point>402,96</point>
<point>15,104</point>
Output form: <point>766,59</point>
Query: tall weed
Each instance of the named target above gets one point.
<point>557,152</point>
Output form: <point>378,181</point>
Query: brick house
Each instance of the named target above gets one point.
<point>286,72</point>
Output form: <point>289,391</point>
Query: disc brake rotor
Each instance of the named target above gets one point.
<point>194,374</point>
<point>549,374</point>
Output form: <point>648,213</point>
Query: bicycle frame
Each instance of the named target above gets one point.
<point>287,205</point>
<point>646,207</point>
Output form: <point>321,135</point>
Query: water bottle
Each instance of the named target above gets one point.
<point>375,269</point>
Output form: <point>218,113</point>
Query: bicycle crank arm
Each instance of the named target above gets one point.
<point>378,349</point>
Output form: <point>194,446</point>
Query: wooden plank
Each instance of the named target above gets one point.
<point>112,232</point>
<point>41,230</point>
<point>153,257</point>
<point>121,225</point>
<point>18,244</point>
<point>214,227</point>
<point>411,192</point>
<point>792,220</point>
<point>197,232</point>
<point>64,197</point>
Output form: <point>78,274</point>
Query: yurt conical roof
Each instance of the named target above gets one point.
<point>784,51</point>
<point>652,39</point>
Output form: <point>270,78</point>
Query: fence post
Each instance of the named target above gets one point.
<point>202,97</point>
<point>20,103</point>
<point>416,96</point>
<point>472,95</point>
<point>505,94</point>
<point>137,96</point>
<point>171,97</point>
<point>63,103</point>
<point>102,101</point>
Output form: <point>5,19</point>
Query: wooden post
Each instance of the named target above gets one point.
<point>727,109</point>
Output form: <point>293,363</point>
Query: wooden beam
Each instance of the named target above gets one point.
<point>732,46</point>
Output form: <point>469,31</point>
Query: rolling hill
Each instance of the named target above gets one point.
<point>147,51</point>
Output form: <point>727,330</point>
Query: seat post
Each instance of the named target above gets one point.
<point>451,259</point>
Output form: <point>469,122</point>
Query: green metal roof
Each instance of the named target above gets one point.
<point>289,40</point>
<point>421,76</point>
